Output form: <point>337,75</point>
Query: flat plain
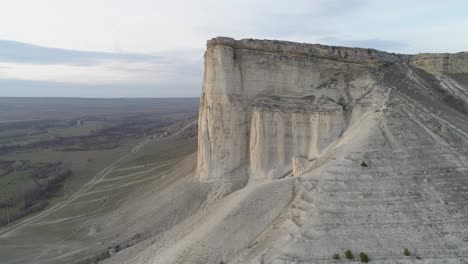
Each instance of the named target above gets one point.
<point>62,160</point>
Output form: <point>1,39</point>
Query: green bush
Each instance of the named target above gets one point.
<point>406,252</point>
<point>364,258</point>
<point>348,254</point>
<point>336,256</point>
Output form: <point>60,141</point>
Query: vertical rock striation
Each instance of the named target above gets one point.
<point>377,144</point>
<point>265,102</point>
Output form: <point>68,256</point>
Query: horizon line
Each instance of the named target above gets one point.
<point>80,97</point>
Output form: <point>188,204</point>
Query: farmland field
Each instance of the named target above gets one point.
<point>51,147</point>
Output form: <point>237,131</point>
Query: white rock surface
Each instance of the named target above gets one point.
<point>269,108</point>
<point>298,165</point>
<point>264,102</point>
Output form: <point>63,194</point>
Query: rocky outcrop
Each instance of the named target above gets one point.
<point>441,63</point>
<point>374,143</point>
<point>265,102</point>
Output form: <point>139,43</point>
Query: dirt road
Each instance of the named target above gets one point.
<point>5,232</point>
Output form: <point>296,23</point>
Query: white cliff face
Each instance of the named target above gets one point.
<point>277,137</point>
<point>441,63</point>
<point>222,116</point>
<point>265,102</point>
<point>342,149</point>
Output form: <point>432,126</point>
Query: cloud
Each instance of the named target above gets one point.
<point>106,72</point>
<point>270,19</point>
<point>22,61</point>
<point>14,51</point>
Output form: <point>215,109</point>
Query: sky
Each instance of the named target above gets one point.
<point>153,48</point>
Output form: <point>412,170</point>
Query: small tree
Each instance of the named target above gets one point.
<point>336,256</point>
<point>348,254</point>
<point>364,258</point>
<point>406,252</point>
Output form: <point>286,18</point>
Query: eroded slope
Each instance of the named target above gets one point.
<point>376,144</point>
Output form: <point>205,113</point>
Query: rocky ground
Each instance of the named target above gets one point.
<point>373,146</point>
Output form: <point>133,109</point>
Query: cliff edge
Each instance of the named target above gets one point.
<point>266,103</point>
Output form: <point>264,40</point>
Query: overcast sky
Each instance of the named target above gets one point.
<point>152,48</point>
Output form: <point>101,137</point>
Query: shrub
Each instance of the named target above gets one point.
<point>336,256</point>
<point>406,252</point>
<point>364,164</point>
<point>364,258</point>
<point>348,254</point>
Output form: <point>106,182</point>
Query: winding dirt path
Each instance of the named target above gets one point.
<point>102,174</point>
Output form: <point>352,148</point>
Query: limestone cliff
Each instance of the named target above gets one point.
<point>265,102</point>
<point>374,144</point>
<point>441,63</point>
